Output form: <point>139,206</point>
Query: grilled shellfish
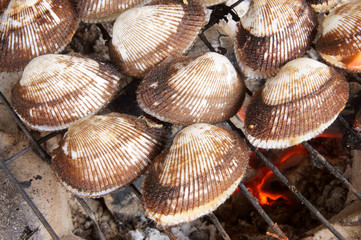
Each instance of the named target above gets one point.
<point>32,28</point>
<point>199,171</point>
<point>103,10</point>
<point>340,42</point>
<point>101,154</point>
<point>299,103</point>
<point>145,36</point>
<point>272,33</point>
<point>188,90</point>
<point>57,90</point>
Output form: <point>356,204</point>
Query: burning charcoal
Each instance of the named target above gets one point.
<point>299,103</point>
<point>189,90</point>
<point>199,171</point>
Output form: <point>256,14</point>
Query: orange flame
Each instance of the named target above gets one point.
<point>259,186</point>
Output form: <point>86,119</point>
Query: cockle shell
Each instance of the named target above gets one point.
<point>322,5</point>
<point>199,171</point>
<point>299,103</point>
<point>29,28</point>
<point>272,33</point>
<point>57,90</point>
<point>3,5</point>
<point>208,3</point>
<point>145,36</point>
<point>188,90</point>
<point>340,38</point>
<point>101,154</point>
<point>103,10</point>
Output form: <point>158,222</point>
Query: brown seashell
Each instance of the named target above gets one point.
<point>145,36</point>
<point>199,171</point>
<point>93,11</point>
<point>32,28</point>
<point>188,90</point>
<point>340,40</point>
<point>57,90</point>
<point>322,5</point>
<point>272,33</point>
<point>299,103</point>
<point>3,5</point>
<point>101,154</point>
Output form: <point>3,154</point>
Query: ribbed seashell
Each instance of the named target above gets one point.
<point>199,171</point>
<point>34,27</point>
<point>322,5</point>
<point>57,90</point>
<point>145,36</point>
<point>340,41</point>
<point>188,90</point>
<point>103,10</point>
<point>3,5</point>
<point>208,3</point>
<point>100,154</point>
<point>272,33</point>
<point>299,103</point>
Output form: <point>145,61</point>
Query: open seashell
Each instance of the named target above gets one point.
<point>188,90</point>
<point>34,27</point>
<point>145,36</point>
<point>57,90</point>
<point>100,154</point>
<point>299,103</point>
<point>322,5</point>
<point>92,11</point>
<point>199,171</point>
<point>272,33</point>
<point>340,42</point>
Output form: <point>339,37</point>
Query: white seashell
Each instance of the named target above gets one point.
<point>57,90</point>
<point>199,171</point>
<point>100,154</point>
<point>299,103</point>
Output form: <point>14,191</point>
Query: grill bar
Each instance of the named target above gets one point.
<point>346,125</point>
<point>294,190</point>
<point>28,200</point>
<point>27,149</point>
<point>167,231</point>
<point>322,160</point>
<point>218,225</point>
<point>35,145</point>
<point>92,217</point>
<point>254,201</point>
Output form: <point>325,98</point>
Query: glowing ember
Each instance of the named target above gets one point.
<point>263,185</point>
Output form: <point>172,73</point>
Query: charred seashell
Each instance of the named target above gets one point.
<point>322,5</point>
<point>188,90</point>
<point>272,33</point>
<point>299,103</point>
<point>100,154</point>
<point>57,90</point>
<point>340,42</point>
<point>199,171</point>
<point>32,28</point>
<point>145,36</point>
<point>103,10</point>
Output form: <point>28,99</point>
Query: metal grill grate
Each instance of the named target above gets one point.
<point>320,161</point>
<point>36,147</point>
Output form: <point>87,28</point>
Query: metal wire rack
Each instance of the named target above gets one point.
<point>319,160</point>
<point>35,145</point>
